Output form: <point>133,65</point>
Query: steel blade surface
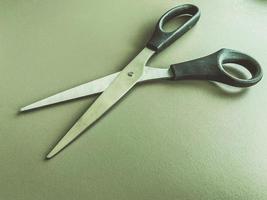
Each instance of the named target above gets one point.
<point>126,79</point>
<point>86,89</point>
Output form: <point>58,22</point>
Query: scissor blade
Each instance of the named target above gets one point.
<point>126,79</point>
<point>86,89</point>
<point>96,86</point>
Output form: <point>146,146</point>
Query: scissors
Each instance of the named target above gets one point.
<point>114,86</point>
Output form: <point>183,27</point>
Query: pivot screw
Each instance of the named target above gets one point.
<point>130,74</point>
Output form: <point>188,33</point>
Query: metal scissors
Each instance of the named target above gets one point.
<point>116,85</point>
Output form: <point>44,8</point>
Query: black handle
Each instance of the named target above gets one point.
<point>161,39</point>
<point>211,68</point>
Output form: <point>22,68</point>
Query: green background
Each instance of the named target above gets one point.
<point>165,140</point>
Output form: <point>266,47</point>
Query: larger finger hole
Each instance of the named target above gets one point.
<point>237,71</point>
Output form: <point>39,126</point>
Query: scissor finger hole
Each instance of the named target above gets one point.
<point>175,23</point>
<point>236,71</point>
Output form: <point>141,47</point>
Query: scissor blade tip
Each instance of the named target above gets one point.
<point>26,108</point>
<point>50,155</point>
<point>53,152</point>
<point>23,109</point>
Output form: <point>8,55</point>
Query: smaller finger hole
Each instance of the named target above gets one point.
<point>174,23</point>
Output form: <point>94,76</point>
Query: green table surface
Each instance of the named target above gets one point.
<point>165,140</point>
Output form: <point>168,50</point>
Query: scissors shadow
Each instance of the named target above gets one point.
<point>215,88</point>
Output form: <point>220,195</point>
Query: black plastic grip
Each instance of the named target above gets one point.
<point>211,68</point>
<point>161,39</point>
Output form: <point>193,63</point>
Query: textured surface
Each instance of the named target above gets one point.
<point>166,140</point>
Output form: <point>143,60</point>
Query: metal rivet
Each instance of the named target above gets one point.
<point>130,74</point>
